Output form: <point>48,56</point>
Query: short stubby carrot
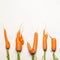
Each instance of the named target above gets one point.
<point>53,44</point>
<point>6,40</point>
<point>53,47</point>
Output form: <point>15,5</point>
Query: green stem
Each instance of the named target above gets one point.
<point>8,56</point>
<point>33,57</point>
<point>53,56</point>
<point>18,55</point>
<point>44,55</point>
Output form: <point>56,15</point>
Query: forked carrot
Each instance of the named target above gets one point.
<point>7,44</point>
<point>34,48</point>
<point>19,43</point>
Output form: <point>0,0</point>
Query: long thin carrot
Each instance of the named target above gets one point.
<point>7,44</point>
<point>45,36</point>
<point>34,48</point>
<point>6,40</point>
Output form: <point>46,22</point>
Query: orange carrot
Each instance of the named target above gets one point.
<point>53,47</point>
<point>29,47</point>
<point>45,36</point>
<point>18,45</point>
<point>53,44</point>
<point>6,40</point>
<point>19,35</point>
<point>33,50</point>
<point>19,41</point>
<point>35,42</point>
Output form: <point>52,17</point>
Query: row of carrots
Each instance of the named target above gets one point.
<point>32,50</point>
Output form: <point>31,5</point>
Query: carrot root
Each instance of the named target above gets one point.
<point>18,55</point>
<point>8,55</point>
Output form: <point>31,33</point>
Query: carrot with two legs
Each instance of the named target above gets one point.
<point>33,50</point>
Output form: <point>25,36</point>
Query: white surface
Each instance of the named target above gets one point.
<point>34,14</point>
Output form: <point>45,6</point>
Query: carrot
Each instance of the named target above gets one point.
<point>53,47</point>
<point>53,44</point>
<point>45,36</point>
<point>6,40</point>
<point>33,50</point>
<point>35,41</point>
<point>7,44</point>
<point>19,43</point>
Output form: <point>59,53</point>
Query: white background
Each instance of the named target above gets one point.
<point>35,16</point>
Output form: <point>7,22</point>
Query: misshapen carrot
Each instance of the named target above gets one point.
<point>19,41</point>
<point>6,40</point>
<point>34,48</point>
<point>45,36</point>
<point>35,41</point>
<point>53,44</point>
<point>18,45</point>
<point>19,36</point>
